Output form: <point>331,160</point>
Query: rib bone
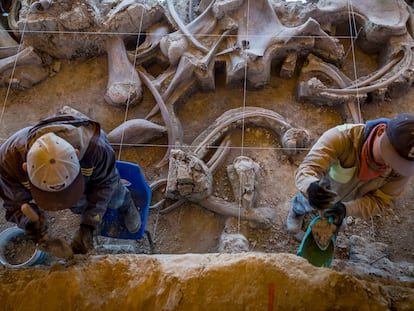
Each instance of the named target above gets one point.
<point>234,118</point>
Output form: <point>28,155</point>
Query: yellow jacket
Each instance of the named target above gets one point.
<point>337,155</point>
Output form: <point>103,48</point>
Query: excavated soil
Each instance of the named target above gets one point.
<point>81,84</point>
<point>190,228</point>
<point>18,250</point>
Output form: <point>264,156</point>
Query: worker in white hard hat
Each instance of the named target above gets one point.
<point>63,162</point>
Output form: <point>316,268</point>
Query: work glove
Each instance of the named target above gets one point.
<point>337,212</point>
<point>37,230</point>
<point>319,195</point>
<point>83,240</point>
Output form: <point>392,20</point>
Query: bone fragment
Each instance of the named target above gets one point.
<point>24,57</point>
<point>173,206</point>
<point>24,77</point>
<point>265,217</point>
<point>293,140</point>
<point>135,132</point>
<point>124,85</point>
<point>9,51</point>
<point>13,15</point>
<point>184,29</point>
<point>289,65</point>
<point>152,42</point>
<point>5,39</point>
<point>188,177</point>
<point>233,243</point>
<point>242,175</point>
<point>70,110</point>
<point>40,6</point>
<point>201,67</point>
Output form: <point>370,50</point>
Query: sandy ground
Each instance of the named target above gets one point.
<point>191,228</point>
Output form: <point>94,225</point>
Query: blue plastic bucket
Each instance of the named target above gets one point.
<point>8,234</point>
<point>113,222</point>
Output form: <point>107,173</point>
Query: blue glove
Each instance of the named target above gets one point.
<point>337,212</point>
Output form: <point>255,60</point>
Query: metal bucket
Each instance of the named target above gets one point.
<point>8,234</point>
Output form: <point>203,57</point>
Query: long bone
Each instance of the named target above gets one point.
<point>172,124</point>
<point>24,57</point>
<point>264,216</point>
<point>124,84</point>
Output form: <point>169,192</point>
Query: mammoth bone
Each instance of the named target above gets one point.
<point>20,66</point>
<point>190,179</point>
<point>124,84</point>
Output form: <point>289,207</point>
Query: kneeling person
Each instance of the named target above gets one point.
<point>63,162</point>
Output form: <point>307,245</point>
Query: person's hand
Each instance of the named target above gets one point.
<point>36,230</point>
<point>83,240</point>
<point>337,212</point>
<point>319,195</point>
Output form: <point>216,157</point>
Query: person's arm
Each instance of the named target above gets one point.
<point>14,195</point>
<point>328,149</point>
<point>376,201</point>
<point>101,184</point>
<point>13,180</point>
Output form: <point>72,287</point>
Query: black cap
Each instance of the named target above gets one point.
<point>397,145</point>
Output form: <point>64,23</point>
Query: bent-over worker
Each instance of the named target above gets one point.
<point>355,170</point>
<point>63,162</point>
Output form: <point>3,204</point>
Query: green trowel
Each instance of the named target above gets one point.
<point>318,243</point>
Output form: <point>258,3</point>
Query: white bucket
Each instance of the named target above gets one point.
<point>8,234</point>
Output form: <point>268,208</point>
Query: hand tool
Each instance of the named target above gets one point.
<point>54,246</point>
